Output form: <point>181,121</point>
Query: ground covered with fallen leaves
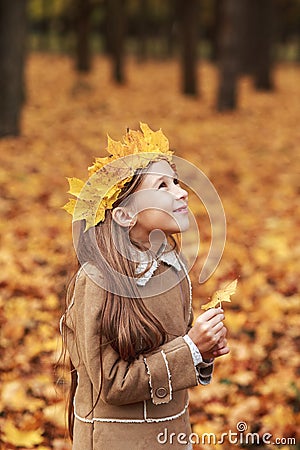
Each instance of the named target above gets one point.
<point>252,158</point>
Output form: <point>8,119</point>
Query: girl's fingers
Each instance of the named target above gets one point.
<point>209,314</point>
<point>216,319</point>
<point>223,334</point>
<point>224,331</point>
<point>219,335</point>
<point>212,323</point>
<point>208,330</point>
<point>221,352</point>
<point>216,334</point>
<point>222,343</point>
<point>218,328</point>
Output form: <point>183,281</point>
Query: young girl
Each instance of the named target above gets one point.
<point>128,326</point>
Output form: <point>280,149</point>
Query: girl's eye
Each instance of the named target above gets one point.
<point>162,184</point>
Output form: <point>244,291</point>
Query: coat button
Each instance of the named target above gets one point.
<point>161,392</point>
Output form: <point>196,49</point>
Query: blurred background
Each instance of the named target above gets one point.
<point>222,79</point>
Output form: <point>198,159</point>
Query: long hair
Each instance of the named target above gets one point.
<point>125,321</point>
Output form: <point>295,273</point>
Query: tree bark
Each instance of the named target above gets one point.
<point>265,16</point>
<point>83,10</point>
<point>12,56</point>
<point>188,20</point>
<point>171,34</point>
<point>45,26</point>
<point>116,25</point>
<point>248,39</point>
<point>142,30</point>
<point>229,57</point>
<point>215,41</point>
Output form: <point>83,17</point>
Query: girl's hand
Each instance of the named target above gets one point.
<point>208,331</point>
<point>218,350</point>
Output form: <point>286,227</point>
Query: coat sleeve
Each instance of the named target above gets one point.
<point>153,376</point>
<point>204,370</point>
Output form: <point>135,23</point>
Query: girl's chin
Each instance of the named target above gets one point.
<point>181,229</point>
<point>184,225</point>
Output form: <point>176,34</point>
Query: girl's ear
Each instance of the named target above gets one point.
<point>123,217</point>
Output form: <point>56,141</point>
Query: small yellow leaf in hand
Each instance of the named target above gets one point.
<point>222,295</point>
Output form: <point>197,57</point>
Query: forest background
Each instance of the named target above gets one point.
<point>222,79</point>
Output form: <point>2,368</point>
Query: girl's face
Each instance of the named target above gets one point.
<point>160,203</point>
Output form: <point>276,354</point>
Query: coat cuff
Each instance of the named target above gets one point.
<point>204,372</point>
<point>170,369</point>
<point>159,382</point>
<point>204,369</point>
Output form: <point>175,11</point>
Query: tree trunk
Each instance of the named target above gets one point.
<point>12,56</point>
<point>248,39</point>
<point>142,30</point>
<point>82,28</point>
<point>188,20</point>
<point>45,26</point>
<point>171,34</point>
<point>265,15</point>
<point>215,41</point>
<point>229,48</point>
<point>116,13</point>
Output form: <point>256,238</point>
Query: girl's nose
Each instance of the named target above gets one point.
<point>180,193</point>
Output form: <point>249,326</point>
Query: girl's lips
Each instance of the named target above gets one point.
<point>182,210</point>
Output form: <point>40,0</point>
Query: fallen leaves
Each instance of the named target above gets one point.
<point>19,438</point>
<point>14,397</point>
<point>251,156</point>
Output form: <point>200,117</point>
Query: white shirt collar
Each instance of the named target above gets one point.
<point>169,258</point>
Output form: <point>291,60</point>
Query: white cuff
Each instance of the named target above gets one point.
<point>196,355</point>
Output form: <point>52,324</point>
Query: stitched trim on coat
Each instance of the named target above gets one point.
<point>169,374</point>
<point>72,301</point>
<point>191,289</point>
<point>198,373</point>
<point>190,307</point>
<point>145,420</point>
<point>150,380</point>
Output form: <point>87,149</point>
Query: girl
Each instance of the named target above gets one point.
<point>128,326</point>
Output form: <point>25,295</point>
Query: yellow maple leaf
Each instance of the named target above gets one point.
<point>100,162</point>
<point>155,140</point>
<point>108,175</point>
<point>221,295</point>
<point>76,186</point>
<point>70,206</point>
<point>100,214</point>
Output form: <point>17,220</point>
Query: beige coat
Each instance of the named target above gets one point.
<point>141,403</point>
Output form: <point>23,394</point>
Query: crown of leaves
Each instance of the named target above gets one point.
<point>108,175</point>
